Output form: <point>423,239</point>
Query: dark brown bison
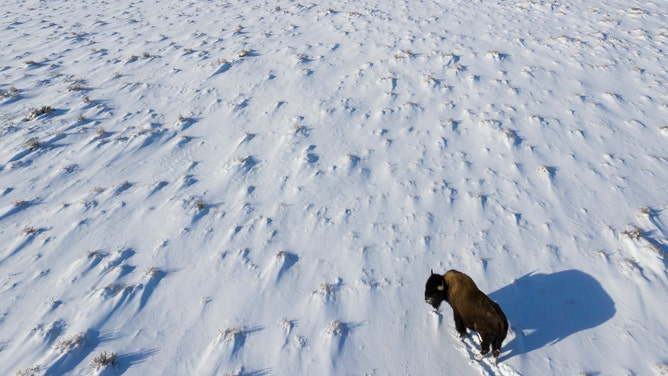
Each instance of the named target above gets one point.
<point>471,308</point>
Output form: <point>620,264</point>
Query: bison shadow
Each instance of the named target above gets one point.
<point>543,309</point>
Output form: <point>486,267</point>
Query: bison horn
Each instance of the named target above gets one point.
<point>441,287</point>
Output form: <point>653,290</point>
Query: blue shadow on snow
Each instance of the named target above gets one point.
<point>545,308</point>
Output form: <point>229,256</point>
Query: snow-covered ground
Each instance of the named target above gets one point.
<point>262,187</point>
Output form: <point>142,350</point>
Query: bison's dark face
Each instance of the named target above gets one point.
<point>436,290</point>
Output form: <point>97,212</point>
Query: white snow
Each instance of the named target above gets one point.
<point>262,188</point>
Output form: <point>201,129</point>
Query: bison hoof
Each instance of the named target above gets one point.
<point>479,357</point>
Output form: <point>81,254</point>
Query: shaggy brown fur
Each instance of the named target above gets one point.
<point>472,309</point>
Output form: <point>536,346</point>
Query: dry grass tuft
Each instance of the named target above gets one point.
<point>237,372</point>
<point>152,273</point>
<point>33,144</point>
<point>232,334</point>
<point>19,203</point>
<point>200,205</point>
<point>336,328</point>
<point>30,371</point>
<point>70,343</point>
<point>95,254</point>
<point>286,324</point>
<point>30,230</point>
<point>326,288</point>
<point>647,211</point>
<point>104,360</point>
<point>34,113</point>
<point>113,290</point>
<point>98,189</point>
<point>12,92</point>
<point>76,87</point>
<point>633,233</point>
<point>661,369</point>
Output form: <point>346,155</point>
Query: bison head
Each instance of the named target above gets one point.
<point>436,290</point>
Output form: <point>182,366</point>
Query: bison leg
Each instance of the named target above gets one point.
<point>496,347</point>
<point>484,345</point>
<point>459,324</point>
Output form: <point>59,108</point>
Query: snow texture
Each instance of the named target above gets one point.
<point>248,187</point>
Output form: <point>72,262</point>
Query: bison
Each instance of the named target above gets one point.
<point>472,309</point>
